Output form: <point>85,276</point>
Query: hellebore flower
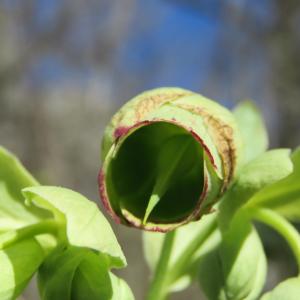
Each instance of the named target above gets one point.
<point>168,155</point>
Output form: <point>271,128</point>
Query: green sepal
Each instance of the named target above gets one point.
<point>18,263</point>
<point>251,124</point>
<point>84,224</point>
<point>286,290</point>
<point>266,169</point>
<point>284,195</point>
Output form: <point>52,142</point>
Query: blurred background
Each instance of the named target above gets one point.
<point>66,66</point>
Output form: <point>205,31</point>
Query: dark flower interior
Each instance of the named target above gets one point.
<point>132,173</point>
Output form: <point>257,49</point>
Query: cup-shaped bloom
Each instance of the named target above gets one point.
<point>168,155</point>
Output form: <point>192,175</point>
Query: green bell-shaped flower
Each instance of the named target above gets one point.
<point>168,155</point>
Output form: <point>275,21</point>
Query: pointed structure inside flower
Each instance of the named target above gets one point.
<point>171,165</point>
<point>168,155</point>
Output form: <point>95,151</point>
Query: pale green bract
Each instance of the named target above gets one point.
<point>264,170</point>
<point>283,196</point>
<point>252,128</point>
<point>13,177</point>
<point>85,224</point>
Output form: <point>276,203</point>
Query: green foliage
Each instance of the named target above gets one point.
<point>80,218</point>
<point>121,290</point>
<point>284,195</point>
<point>264,170</point>
<point>286,290</point>
<point>18,263</point>
<point>14,177</point>
<point>236,268</point>
<point>79,273</point>
<point>253,130</point>
<point>57,233</point>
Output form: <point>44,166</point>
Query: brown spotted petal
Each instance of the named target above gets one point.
<point>168,155</point>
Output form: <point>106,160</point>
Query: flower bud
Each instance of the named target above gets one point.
<point>236,269</point>
<point>168,155</point>
<point>79,273</point>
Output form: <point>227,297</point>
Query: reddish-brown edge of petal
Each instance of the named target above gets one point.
<point>123,130</point>
<point>196,214</point>
<point>163,228</point>
<point>104,197</point>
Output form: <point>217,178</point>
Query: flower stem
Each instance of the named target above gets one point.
<point>283,227</point>
<point>13,236</point>
<point>157,290</point>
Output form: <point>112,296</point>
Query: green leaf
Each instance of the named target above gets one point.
<point>92,280</point>
<point>286,290</point>
<point>252,128</point>
<point>236,269</point>
<point>190,243</point>
<point>121,290</point>
<point>18,263</point>
<point>79,273</point>
<point>13,177</point>
<point>85,224</point>
<point>56,274</point>
<point>266,169</point>
<point>41,231</point>
<point>283,196</point>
